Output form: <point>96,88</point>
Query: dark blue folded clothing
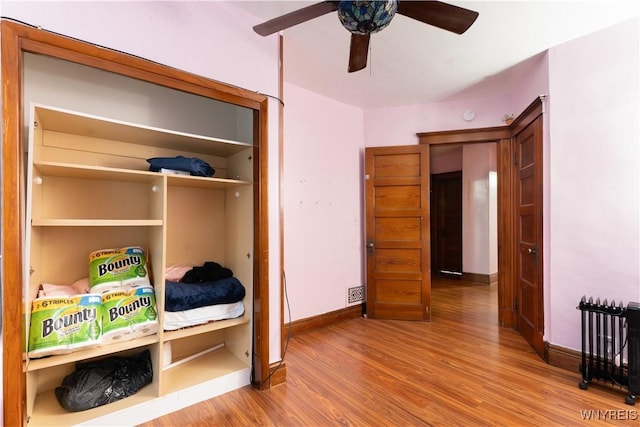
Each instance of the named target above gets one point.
<point>209,272</point>
<point>193,165</point>
<point>180,296</point>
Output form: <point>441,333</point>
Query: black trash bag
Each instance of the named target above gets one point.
<point>104,381</point>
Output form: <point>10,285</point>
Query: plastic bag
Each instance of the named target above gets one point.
<point>104,381</point>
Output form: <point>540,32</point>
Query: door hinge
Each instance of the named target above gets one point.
<point>515,159</point>
<point>515,304</point>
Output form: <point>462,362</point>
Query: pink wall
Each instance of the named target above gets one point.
<point>445,159</point>
<point>534,83</point>
<point>212,39</point>
<point>477,205</point>
<point>594,173</point>
<point>493,211</point>
<point>323,176</point>
<point>399,125</point>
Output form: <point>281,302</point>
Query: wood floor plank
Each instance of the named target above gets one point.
<point>460,369</point>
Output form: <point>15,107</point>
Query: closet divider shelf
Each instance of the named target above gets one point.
<point>102,173</point>
<point>48,412</point>
<point>215,364</point>
<point>95,172</point>
<point>99,351</point>
<point>96,222</point>
<point>207,327</point>
<point>59,120</point>
<point>203,182</point>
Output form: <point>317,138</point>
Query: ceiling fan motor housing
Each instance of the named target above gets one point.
<point>366,17</point>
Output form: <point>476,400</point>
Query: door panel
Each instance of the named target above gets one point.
<point>397,230</point>
<point>529,234</point>
<point>397,165</point>
<point>398,197</point>
<point>406,261</point>
<point>399,291</point>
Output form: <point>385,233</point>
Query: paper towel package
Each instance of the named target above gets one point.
<point>128,312</point>
<point>110,268</point>
<point>121,305</point>
<point>62,324</point>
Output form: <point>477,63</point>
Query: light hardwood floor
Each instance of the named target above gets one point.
<point>461,369</point>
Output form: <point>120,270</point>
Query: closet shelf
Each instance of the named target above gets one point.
<point>96,222</point>
<point>73,170</point>
<point>208,327</point>
<point>219,363</point>
<point>48,412</point>
<point>58,120</point>
<point>102,350</point>
<point>103,173</point>
<point>203,182</point>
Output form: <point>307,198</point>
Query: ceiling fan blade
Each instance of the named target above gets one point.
<point>442,15</point>
<point>358,52</point>
<point>296,17</point>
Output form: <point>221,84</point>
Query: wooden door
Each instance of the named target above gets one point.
<point>528,222</point>
<point>446,223</point>
<point>397,232</point>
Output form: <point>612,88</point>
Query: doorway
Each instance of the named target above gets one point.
<point>464,223</point>
<point>519,167</point>
<point>446,224</point>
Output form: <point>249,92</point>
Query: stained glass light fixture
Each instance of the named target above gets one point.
<point>366,17</point>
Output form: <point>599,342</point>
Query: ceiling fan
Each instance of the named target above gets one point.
<point>363,18</point>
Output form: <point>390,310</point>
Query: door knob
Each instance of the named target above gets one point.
<point>370,247</point>
<point>532,251</point>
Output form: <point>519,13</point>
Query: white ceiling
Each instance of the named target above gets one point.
<point>414,63</point>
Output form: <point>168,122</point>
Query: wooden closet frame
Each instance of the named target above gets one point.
<point>18,39</point>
